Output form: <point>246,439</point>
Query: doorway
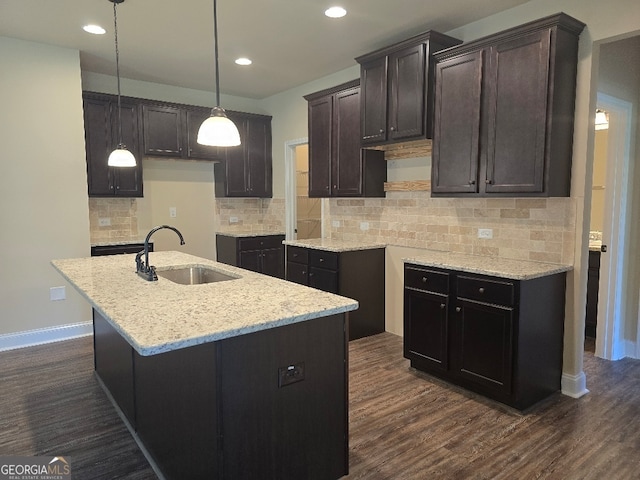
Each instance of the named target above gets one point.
<point>615,194</point>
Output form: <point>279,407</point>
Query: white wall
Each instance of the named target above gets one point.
<point>43,185</point>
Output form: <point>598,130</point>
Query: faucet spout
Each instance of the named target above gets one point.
<point>146,271</point>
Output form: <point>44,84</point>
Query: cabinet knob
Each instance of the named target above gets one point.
<point>118,187</point>
<point>304,272</point>
<point>442,305</point>
<point>110,187</point>
<point>424,279</point>
<point>472,182</point>
<point>381,130</point>
<point>393,129</point>
<point>488,182</point>
<point>322,260</point>
<point>481,290</point>
<point>458,309</point>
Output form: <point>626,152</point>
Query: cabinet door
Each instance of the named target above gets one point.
<point>251,260</point>
<point>194,119</point>
<point>323,279</point>
<point>426,330</point>
<point>456,140</point>
<point>97,134</point>
<point>258,157</point>
<point>320,146</point>
<point>163,130</point>
<point>517,114</point>
<point>485,345</point>
<point>346,168</point>
<point>373,81</point>
<point>234,167</point>
<point>407,93</point>
<point>298,273</point>
<point>273,262</point>
<point>128,181</point>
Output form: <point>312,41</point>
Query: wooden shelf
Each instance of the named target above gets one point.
<point>408,186</point>
<point>397,151</point>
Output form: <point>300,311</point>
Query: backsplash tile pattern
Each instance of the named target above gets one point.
<point>537,229</point>
<point>122,214</point>
<point>254,215</point>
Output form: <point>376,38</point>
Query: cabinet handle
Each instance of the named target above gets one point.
<point>481,290</point>
<point>381,130</point>
<point>110,187</point>
<point>442,305</point>
<point>424,279</point>
<point>322,260</point>
<point>472,182</point>
<point>393,129</point>
<point>118,187</point>
<point>458,309</point>
<point>488,182</point>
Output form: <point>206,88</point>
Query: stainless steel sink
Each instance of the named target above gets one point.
<point>194,275</point>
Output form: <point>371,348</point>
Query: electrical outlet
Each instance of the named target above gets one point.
<point>104,222</point>
<point>57,293</point>
<point>173,212</point>
<point>485,233</point>
<point>364,226</point>
<point>233,219</point>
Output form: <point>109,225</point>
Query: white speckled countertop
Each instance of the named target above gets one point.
<point>161,316</point>
<point>498,267</point>
<point>333,245</point>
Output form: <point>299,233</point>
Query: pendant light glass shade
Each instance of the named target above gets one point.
<point>121,157</point>
<point>218,130</point>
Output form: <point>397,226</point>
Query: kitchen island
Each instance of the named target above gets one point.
<point>240,378</point>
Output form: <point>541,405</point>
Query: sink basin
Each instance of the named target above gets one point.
<point>194,275</point>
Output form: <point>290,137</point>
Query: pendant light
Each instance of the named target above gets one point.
<point>602,120</point>
<point>121,156</point>
<point>218,130</point>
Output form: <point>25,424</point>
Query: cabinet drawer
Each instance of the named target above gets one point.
<point>323,259</point>
<point>425,279</point>
<point>261,242</point>
<point>485,290</point>
<point>298,273</point>
<point>297,254</point>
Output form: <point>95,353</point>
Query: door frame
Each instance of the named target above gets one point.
<point>610,343</point>
<point>290,209</point>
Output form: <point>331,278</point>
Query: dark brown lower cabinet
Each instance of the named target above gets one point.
<point>260,253</point>
<point>357,274</point>
<point>593,286</point>
<point>499,337</point>
<point>226,410</point>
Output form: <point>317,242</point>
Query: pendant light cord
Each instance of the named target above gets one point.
<point>215,42</point>
<point>115,29</point>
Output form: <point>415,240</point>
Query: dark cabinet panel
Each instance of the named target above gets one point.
<point>593,286</point>
<point>194,118</point>
<point>397,84</point>
<point>261,253</point>
<point>338,166</point>
<point>512,131</point>
<point>102,137</point>
<point>246,170</point>
<point>163,130</point>
<point>355,274</point>
<point>498,337</point>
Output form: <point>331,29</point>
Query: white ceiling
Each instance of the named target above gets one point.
<point>291,42</point>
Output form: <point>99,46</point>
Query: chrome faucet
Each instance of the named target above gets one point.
<point>146,271</point>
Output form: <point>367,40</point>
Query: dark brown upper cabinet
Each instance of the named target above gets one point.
<point>397,89</point>
<point>338,166</point>
<point>171,131</point>
<point>246,170</point>
<point>504,112</point>
<point>101,138</point>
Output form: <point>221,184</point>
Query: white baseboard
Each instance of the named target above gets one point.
<point>574,386</point>
<point>40,336</point>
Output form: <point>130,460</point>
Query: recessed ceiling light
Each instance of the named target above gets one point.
<point>95,29</point>
<point>335,12</point>
<point>243,61</point>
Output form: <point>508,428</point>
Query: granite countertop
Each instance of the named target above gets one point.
<point>498,267</point>
<point>333,245</point>
<point>249,234</point>
<point>161,316</point>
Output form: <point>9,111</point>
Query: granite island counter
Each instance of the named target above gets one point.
<point>243,378</point>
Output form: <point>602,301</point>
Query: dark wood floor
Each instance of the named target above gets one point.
<point>403,424</point>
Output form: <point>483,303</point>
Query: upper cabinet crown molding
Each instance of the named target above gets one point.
<point>511,133</point>
<point>397,89</point>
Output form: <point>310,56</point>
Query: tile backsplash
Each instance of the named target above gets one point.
<point>537,229</point>
<point>250,215</point>
<point>121,214</point>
